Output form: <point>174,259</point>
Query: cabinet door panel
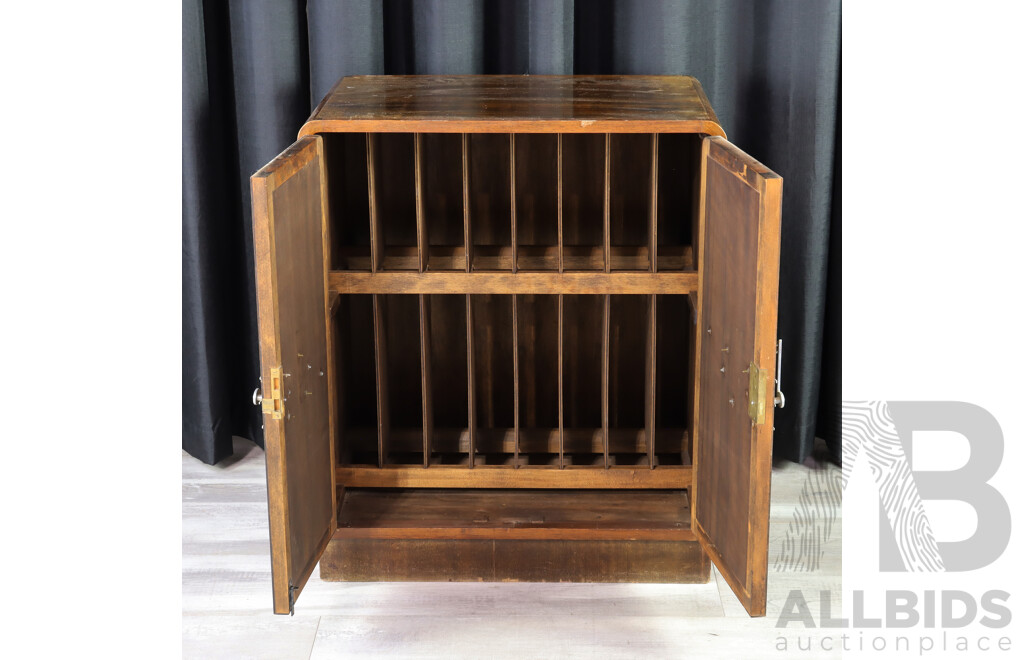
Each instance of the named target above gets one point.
<point>739,264</point>
<point>290,237</point>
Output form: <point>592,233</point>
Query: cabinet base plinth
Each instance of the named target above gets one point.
<point>498,560</point>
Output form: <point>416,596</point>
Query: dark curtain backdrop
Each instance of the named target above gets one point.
<point>254,69</point>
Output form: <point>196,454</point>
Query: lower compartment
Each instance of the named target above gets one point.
<point>467,535</point>
<point>524,380</point>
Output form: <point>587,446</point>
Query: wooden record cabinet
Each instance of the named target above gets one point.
<point>517,328</point>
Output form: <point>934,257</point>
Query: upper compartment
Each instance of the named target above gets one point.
<point>511,173</point>
<point>515,104</point>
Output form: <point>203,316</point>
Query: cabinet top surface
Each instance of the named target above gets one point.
<point>578,104</point>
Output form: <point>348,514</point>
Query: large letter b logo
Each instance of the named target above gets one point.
<point>882,432</point>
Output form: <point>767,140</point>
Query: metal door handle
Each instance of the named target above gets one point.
<point>780,398</point>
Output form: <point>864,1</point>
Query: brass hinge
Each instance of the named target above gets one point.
<point>273,405</point>
<point>757,393</point>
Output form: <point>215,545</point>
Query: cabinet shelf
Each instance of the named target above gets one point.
<point>350,282</point>
<point>496,476</point>
<point>531,257</point>
<point>514,514</point>
<point>514,535</point>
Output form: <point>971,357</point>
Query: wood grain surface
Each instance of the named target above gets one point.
<point>537,283</point>
<point>290,222</point>
<point>737,325</point>
<point>517,104</point>
<point>494,476</point>
<point>515,514</point>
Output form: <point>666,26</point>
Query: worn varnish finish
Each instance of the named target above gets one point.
<point>511,271</point>
<point>594,536</point>
<point>515,514</point>
<point>475,560</point>
<point>737,325</point>
<point>506,283</point>
<point>289,225</point>
<point>515,104</point>
<point>498,476</point>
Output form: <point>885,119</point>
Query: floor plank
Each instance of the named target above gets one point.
<point>567,636</point>
<point>253,636</point>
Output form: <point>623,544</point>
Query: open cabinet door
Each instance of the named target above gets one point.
<point>290,235</point>
<point>738,261</point>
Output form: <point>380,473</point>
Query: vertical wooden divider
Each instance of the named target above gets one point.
<point>515,376</point>
<point>691,380</point>
<point>512,189</point>
<point>467,237</point>
<point>376,232</point>
<point>652,234</point>
<point>422,237</point>
<point>651,376</point>
<point>606,325</point>
<point>470,380</point>
<point>561,240</point>
<point>423,251</point>
<point>607,202</point>
<point>426,381</point>
<point>380,354</point>
<point>561,382</point>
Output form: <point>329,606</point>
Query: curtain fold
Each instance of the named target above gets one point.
<point>346,38</point>
<point>253,70</point>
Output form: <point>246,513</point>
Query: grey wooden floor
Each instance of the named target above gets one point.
<point>226,602</point>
